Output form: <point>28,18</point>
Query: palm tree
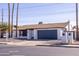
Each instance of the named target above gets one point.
<point>2,25</point>
<point>12,20</point>
<point>9,19</point>
<point>17,18</point>
<point>3,28</point>
<point>77,38</point>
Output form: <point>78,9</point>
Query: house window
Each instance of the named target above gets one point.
<point>23,33</point>
<point>20,33</point>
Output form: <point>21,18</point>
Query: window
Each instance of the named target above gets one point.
<point>23,33</point>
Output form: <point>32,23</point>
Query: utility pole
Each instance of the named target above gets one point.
<point>17,18</point>
<point>12,20</point>
<point>9,19</point>
<point>77,21</point>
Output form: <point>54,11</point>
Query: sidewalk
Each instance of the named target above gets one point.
<point>75,44</point>
<point>57,43</point>
<point>17,42</point>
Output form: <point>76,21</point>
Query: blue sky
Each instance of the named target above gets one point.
<point>32,13</point>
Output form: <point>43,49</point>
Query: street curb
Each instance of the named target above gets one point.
<point>3,43</point>
<point>66,45</point>
<point>69,46</point>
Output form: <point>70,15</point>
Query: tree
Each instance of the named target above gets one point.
<point>17,18</point>
<point>77,38</point>
<point>2,25</point>
<point>3,28</point>
<point>9,19</point>
<point>12,20</point>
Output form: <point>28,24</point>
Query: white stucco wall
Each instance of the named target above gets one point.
<point>67,38</point>
<point>14,34</point>
<point>17,34</point>
<point>64,37</point>
<point>35,34</point>
<point>59,32</point>
<point>70,37</point>
<point>28,34</point>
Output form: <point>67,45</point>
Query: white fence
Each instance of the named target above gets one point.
<point>67,37</point>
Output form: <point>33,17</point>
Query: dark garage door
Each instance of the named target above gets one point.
<point>47,34</point>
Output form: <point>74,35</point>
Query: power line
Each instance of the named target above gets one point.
<point>48,4</point>
<point>71,11</point>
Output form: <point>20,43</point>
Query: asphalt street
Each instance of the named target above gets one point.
<point>37,51</point>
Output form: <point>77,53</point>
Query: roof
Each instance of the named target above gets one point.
<point>42,26</point>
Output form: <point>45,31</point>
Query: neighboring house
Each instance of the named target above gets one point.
<point>42,31</point>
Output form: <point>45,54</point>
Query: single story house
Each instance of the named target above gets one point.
<point>42,31</point>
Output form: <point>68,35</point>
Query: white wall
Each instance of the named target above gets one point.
<point>67,38</point>
<point>35,34</point>
<point>59,32</point>
<point>70,37</point>
<point>30,34</point>
<point>17,34</point>
<point>14,34</point>
<point>64,37</point>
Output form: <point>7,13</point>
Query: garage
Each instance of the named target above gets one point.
<point>47,34</point>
